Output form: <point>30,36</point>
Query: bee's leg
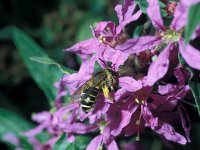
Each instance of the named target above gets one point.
<point>106,93</point>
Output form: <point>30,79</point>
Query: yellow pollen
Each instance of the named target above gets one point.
<point>106,91</point>
<point>137,101</point>
<point>170,36</point>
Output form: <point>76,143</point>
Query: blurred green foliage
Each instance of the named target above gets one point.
<point>32,49</point>
<point>80,143</point>
<point>26,24</point>
<point>192,21</point>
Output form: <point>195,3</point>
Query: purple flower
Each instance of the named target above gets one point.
<point>107,36</point>
<point>170,36</point>
<point>162,128</point>
<point>139,103</point>
<point>173,34</point>
<point>140,113</point>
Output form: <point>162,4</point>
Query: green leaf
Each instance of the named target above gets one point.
<point>85,31</point>
<point>79,144</point>
<point>44,75</point>
<point>194,82</point>
<point>142,4</point>
<point>49,61</point>
<point>138,31</point>
<point>14,124</point>
<point>192,21</point>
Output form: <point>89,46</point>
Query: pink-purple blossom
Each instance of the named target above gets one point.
<point>146,97</point>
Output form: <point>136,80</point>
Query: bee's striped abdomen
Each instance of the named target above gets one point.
<point>88,98</point>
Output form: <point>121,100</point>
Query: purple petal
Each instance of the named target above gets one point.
<point>180,17</point>
<point>77,79</point>
<point>132,128</point>
<point>95,143</point>
<point>126,10</point>
<point>190,2</point>
<point>185,120</point>
<point>59,115</point>
<point>100,109</point>
<point>130,84</point>
<point>35,143</point>
<point>85,47</point>
<point>169,133</point>
<point>11,138</point>
<point>139,44</point>
<point>123,119</point>
<point>79,128</point>
<point>150,121</point>
<point>158,100</point>
<point>166,89</point>
<point>125,13</point>
<point>120,94</point>
<point>107,137</point>
<point>70,137</point>
<point>109,54</point>
<point>112,146</point>
<point>162,128</point>
<point>179,75</point>
<point>36,130</point>
<point>106,29</point>
<point>159,67</point>
<point>49,144</point>
<point>153,12</point>
<point>190,54</point>
<point>41,117</point>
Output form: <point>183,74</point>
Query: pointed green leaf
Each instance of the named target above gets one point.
<point>13,124</point>
<point>49,61</point>
<point>193,21</point>
<point>44,75</point>
<point>142,4</point>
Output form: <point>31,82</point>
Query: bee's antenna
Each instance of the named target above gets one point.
<point>104,62</point>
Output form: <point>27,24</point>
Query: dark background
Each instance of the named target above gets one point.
<point>54,25</point>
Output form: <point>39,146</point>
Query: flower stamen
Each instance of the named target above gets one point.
<point>170,36</point>
<point>138,122</point>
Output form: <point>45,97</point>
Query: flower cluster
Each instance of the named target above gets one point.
<point>152,82</point>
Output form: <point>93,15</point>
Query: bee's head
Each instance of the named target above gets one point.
<point>107,65</point>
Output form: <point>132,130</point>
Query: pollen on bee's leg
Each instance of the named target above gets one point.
<point>106,93</point>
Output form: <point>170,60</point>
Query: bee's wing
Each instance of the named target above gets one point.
<point>94,81</point>
<point>77,94</point>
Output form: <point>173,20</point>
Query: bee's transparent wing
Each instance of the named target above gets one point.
<point>77,94</point>
<point>94,81</point>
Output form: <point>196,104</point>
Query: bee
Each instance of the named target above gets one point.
<point>104,81</point>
